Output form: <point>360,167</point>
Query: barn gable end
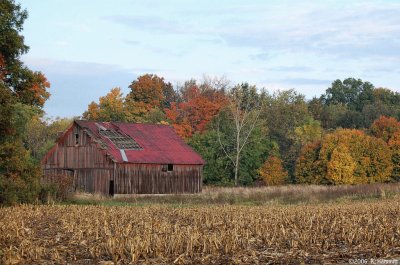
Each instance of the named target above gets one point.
<point>80,156</point>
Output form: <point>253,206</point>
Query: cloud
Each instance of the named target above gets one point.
<point>351,30</point>
<point>261,56</point>
<point>305,81</point>
<point>132,42</point>
<point>164,50</point>
<point>341,31</point>
<point>147,23</point>
<point>291,69</point>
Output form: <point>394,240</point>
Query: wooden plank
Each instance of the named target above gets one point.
<point>149,178</point>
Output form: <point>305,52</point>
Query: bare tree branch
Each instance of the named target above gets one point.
<point>222,146</point>
<point>244,115</point>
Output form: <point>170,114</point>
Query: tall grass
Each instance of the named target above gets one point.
<point>290,194</point>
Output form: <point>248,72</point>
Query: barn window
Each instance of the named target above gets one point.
<point>120,140</point>
<point>76,133</point>
<point>168,167</point>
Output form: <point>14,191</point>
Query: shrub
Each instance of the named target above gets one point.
<point>56,187</point>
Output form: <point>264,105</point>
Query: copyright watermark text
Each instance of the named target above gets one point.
<point>375,261</point>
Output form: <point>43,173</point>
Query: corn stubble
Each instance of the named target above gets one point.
<point>206,235</point>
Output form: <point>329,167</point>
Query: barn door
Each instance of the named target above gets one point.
<point>111,188</point>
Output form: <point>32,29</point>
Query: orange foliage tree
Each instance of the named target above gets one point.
<point>385,127</point>
<point>196,110</point>
<point>272,171</point>
<point>388,129</point>
<point>34,89</point>
<point>147,92</point>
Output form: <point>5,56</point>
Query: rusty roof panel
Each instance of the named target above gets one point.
<point>160,144</point>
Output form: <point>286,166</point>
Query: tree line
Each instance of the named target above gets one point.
<point>348,135</point>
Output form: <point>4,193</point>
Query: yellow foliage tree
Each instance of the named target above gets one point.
<point>272,172</point>
<point>110,108</point>
<point>309,169</point>
<point>340,168</point>
<point>345,157</point>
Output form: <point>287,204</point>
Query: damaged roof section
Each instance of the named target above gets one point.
<point>120,140</point>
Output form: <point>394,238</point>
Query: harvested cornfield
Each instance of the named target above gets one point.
<point>200,235</point>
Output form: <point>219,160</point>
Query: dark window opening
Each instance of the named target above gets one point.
<point>170,167</point>
<point>76,138</point>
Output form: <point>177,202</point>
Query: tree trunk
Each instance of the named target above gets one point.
<point>237,156</point>
<point>236,169</point>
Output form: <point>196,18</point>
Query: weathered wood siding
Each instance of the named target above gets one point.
<point>151,179</point>
<point>91,169</point>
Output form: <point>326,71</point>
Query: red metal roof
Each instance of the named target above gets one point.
<point>160,143</point>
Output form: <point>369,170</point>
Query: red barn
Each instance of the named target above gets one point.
<point>124,158</point>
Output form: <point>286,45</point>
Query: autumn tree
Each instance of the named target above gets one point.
<point>110,108</point>
<point>33,90</point>
<point>199,104</point>
<point>372,155</point>
<point>148,92</point>
<point>341,166</point>
<point>385,127</point>
<point>345,156</point>
<point>388,129</point>
<point>309,169</point>
<point>272,172</point>
<point>22,96</point>
<point>283,112</point>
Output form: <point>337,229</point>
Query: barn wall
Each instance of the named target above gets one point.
<point>85,162</point>
<point>150,179</point>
